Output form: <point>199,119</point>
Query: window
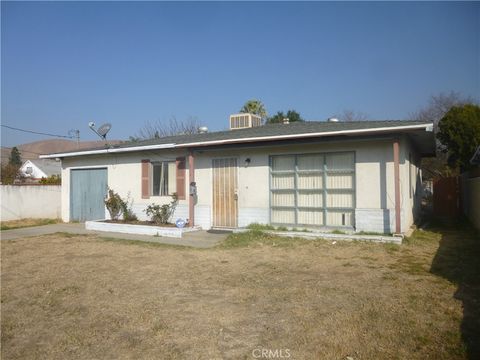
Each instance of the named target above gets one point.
<point>313,189</point>
<point>164,178</point>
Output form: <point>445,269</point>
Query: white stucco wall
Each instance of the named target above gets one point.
<point>374,181</point>
<point>124,177</point>
<point>30,201</point>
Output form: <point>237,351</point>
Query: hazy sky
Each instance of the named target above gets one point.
<point>65,64</point>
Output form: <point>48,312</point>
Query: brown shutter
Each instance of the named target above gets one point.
<point>180,162</point>
<point>145,179</point>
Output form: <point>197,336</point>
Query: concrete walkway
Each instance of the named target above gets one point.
<point>198,239</point>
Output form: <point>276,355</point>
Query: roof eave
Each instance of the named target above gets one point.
<point>381,130</point>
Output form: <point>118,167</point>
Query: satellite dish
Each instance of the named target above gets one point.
<point>104,129</point>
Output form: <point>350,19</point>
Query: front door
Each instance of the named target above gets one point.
<point>225,208</point>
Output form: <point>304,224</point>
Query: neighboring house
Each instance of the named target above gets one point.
<point>353,175</point>
<point>41,168</point>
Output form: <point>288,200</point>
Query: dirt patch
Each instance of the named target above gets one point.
<point>82,297</point>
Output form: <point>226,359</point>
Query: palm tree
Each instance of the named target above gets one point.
<point>254,107</point>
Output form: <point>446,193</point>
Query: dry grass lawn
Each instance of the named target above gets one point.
<point>84,297</point>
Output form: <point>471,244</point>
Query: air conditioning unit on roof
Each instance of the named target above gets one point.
<point>245,120</point>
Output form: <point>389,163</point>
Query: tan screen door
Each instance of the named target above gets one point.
<point>225,193</point>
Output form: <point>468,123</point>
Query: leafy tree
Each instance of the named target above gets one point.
<point>254,107</point>
<point>8,174</point>
<point>438,105</point>
<point>15,157</point>
<point>459,132</point>
<point>292,116</point>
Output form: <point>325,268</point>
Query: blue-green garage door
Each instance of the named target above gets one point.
<point>88,188</point>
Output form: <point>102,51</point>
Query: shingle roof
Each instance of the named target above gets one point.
<point>269,130</point>
<point>49,167</point>
<point>275,130</point>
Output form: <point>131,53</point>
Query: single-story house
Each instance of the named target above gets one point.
<point>362,176</point>
<point>40,168</point>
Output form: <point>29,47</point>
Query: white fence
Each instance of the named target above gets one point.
<point>30,201</point>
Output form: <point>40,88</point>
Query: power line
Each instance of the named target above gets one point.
<point>38,133</point>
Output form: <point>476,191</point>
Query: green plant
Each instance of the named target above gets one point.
<point>459,132</point>
<point>260,227</point>
<point>114,204</point>
<point>160,214</point>
<point>8,173</point>
<point>127,211</point>
<point>51,180</point>
<point>339,232</point>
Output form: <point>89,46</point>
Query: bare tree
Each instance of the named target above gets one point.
<point>439,105</point>
<point>171,127</point>
<point>350,115</point>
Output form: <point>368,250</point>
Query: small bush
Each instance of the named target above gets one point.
<point>259,227</point>
<point>51,180</point>
<point>160,214</point>
<point>114,204</point>
<point>127,211</point>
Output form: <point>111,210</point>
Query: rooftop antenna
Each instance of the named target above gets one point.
<point>101,131</point>
<point>75,133</point>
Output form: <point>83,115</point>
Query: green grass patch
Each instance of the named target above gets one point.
<point>260,227</point>
<point>23,223</point>
<point>259,238</point>
<point>339,232</point>
<point>391,248</point>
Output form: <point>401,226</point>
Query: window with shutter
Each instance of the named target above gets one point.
<point>145,179</point>
<point>180,162</point>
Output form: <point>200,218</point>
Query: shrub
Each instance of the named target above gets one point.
<point>51,180</point>
<point>160,214</point>
<point>127,211</point>
<point>114,204</point>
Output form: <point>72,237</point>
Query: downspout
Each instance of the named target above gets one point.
<point>396,175</point>
<point>192,194</point>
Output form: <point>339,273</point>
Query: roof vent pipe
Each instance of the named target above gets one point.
<point>286,121</point>
<point>332,119</point>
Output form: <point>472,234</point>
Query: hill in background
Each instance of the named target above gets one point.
<point>32,150</point>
